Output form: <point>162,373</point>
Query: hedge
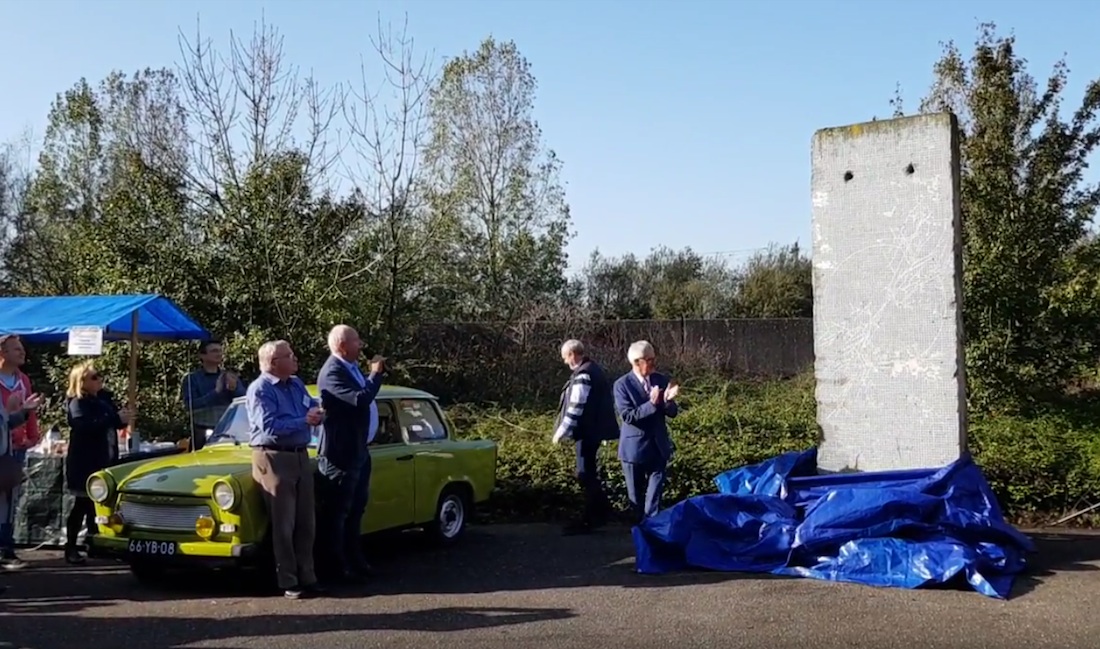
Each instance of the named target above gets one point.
<point>1039,467</point>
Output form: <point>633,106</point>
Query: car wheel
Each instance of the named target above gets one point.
<point>451,514</point>
<point>146,574</point>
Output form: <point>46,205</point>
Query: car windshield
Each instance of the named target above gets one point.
<point>232,428</point>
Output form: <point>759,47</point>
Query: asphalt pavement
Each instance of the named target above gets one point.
<point>507,586</point>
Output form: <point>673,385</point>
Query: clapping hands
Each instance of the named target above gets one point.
<point>16,402</point>
<point>315,416</point>
<point>672,392</point>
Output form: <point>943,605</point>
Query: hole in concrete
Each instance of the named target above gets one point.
<point>909,169</point>
<point>848,176</point>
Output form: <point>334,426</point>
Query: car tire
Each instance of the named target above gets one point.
<point>146,574</point>
<point>452,513</point>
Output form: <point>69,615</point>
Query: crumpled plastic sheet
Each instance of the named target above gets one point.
<point>902,529</point>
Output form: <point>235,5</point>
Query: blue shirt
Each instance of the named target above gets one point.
<point>277,411</point>
<point>372,428</point>
<point>200,396</point>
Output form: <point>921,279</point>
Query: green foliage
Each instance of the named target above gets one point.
<point>668,284</point>
<point>1037,466</point>
<point>777,283</point>
<point>490,173</point>
<point>1029,268</point>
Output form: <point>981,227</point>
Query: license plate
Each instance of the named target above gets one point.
<point>152,548</point>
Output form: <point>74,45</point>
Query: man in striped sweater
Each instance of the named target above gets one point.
<point>587,417</point>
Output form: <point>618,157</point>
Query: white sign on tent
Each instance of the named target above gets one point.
<point>85,341</point>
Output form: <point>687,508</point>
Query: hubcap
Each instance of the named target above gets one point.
<point>451,516</point>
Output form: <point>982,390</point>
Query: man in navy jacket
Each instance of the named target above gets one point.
<point>351,421</point>
<point>644,400</point>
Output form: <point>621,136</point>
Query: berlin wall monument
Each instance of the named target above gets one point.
<point>887,280</point>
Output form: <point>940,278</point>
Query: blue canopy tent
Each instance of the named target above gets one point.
<point>49,319</point>
<point>134,318</point>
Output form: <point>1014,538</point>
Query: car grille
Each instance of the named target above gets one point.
<point>174,518</point>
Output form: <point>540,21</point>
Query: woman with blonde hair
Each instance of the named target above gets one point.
<point>94,421</point>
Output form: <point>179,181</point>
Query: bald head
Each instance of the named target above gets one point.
<point>343,341</point>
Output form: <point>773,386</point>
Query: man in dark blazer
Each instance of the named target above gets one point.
<point>644,400</point>
<point>587,416</point>
<point>351,420</point>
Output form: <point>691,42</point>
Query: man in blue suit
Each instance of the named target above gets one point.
<point>644,400</point>
<point>351,421</point>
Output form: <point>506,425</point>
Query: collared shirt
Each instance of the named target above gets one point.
<point>203,401</point>
<point>372,427</point>
<point>277,411</point>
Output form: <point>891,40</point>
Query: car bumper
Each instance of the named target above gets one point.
<point>189,553</point>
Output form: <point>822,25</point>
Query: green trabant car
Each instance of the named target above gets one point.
<point>203,508</point>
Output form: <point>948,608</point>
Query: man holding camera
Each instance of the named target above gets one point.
<point>344,463</point>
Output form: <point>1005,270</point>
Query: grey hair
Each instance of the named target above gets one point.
<point>639,349</point>
<point>572,346</point>
<point>337,335</point>
<point>267,352</point>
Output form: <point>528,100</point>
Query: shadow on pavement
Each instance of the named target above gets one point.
<point>166,632</point>
<point>1058,551</point>
<point>489,559</point>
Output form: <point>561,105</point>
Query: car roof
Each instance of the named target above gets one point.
<point>386,392</point>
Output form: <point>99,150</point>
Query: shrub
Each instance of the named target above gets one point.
<point>1038,467</point>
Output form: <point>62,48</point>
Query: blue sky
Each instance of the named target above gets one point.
<point>679,123</point>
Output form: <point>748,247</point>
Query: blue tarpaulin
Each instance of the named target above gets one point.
<point>903,529</point>
<point>49,319</point>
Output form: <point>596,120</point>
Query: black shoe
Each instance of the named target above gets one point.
<point>11,562</point>
<point>314,589</point>
<point>73,557</point>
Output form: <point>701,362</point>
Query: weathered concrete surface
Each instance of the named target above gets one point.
<point>887,259</point>
<point>517,586</point>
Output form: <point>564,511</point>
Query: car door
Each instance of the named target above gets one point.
<point>425,430</point>
<point>392,475</point>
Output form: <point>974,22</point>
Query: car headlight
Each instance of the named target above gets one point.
<point>225,496</point>
<point>98,489</point>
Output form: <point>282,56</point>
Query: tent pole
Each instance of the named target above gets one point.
<point>131,389</point>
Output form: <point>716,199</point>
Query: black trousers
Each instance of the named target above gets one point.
<point>342,497</point>
<point>588,474</point>
<point>82,514</point>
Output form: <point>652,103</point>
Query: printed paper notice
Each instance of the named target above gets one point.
<point>85,341</point>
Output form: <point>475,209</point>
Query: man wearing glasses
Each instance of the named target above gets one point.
<point>281,414</point>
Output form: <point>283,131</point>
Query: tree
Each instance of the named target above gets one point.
<point>1030,277</point>
<point>776,283</point>
<point>15,180</point>
<point>667,284</point>
<point>492,177</point>
<point>389,128</point>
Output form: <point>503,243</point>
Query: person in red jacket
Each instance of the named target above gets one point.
<point>15,388</point>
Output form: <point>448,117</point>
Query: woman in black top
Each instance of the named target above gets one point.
<point>94,422</point>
